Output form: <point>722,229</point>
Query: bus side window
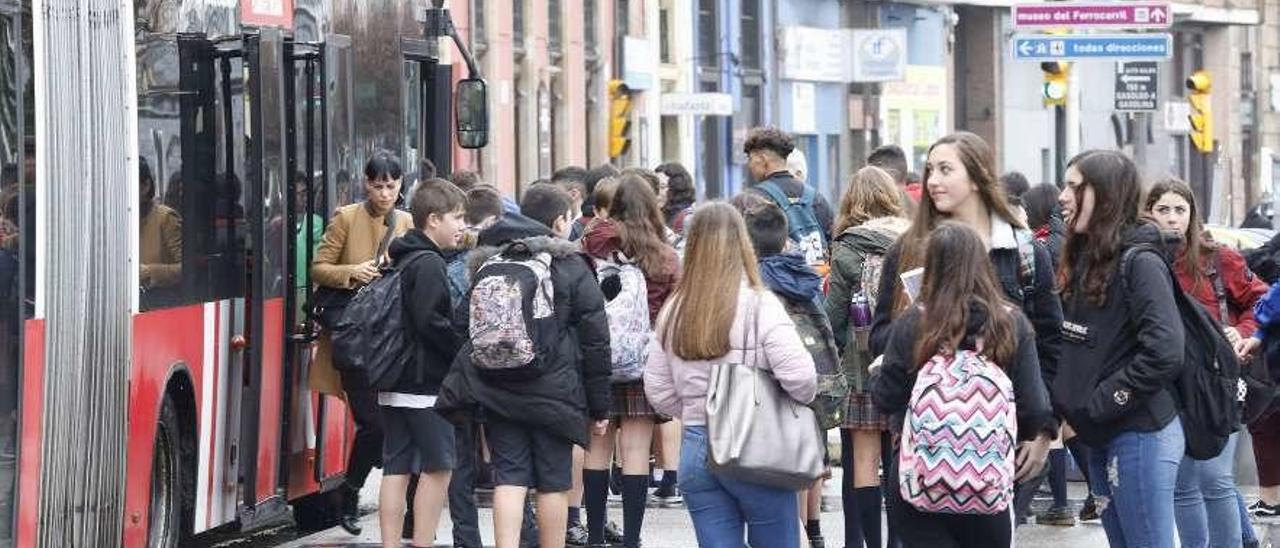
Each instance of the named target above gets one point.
<point>191,210</point>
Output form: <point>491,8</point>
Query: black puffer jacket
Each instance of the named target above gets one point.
<point>425,295</point>
<point>1119,360</point>
<point>575,385</point>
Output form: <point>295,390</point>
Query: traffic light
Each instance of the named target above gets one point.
<point>1201,111</point>
<point>619,118</point>
<point>1056,74</point>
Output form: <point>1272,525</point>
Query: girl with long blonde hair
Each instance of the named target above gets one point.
<point>725,315</point>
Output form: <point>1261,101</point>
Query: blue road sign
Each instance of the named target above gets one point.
<point>1111,47</point>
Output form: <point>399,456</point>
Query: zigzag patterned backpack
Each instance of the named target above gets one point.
<point>958,437</point>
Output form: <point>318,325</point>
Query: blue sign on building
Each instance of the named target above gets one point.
<point>1111,47</point>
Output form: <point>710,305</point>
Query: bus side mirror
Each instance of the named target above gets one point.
<point>473,113</point>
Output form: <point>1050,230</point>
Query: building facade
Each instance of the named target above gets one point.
<point>789,63</point>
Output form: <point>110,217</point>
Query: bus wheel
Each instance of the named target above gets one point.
<point>164,525</point>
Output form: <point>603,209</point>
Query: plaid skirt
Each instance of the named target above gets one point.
<point>861,414</point>
<point>628,400</point>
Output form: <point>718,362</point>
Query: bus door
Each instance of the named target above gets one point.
<point>214,270</point>
<point>307,163</point>
<point>263,501</point>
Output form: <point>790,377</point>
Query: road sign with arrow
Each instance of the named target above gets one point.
<point>1075,47</point>
<point>1137,86</point>
<point>1093,15</point>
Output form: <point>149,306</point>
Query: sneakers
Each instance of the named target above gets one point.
<point>1264,510</point>
<point>576,535</point>
<point>1058,515</point>
<point>668,497</point>
<point>817,542</point>
<point>1089,511</point>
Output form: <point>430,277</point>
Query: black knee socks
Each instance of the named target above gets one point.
<point>595,495</point>
<point>852,525</point>
<point>887,456</point>
<point>635,496</point>
<point>869,513</point>
<point>813,528</point>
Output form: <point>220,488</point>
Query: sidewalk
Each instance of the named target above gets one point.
<point>671,528</point>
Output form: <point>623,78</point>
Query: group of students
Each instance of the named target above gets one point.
<point>1076,305</point>
<point>551,427</point>
<point>952,299</point>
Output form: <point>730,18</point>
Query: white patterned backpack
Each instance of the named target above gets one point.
<point>627,306</point>
<point>512,320</point>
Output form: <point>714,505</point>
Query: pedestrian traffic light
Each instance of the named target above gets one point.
<point>619,118</point>
<point>1201,116</point>
<point>1056,74</point>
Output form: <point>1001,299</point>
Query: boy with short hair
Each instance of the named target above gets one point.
<point>484,207</point>
<point>532,424</point>
<point>418,440</point>
<point>573,179</point>
<point>799,288</point>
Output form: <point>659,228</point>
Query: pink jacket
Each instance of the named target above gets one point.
<point>678,388</point>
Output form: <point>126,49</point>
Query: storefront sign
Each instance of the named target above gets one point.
<point>267,13</point>
<point>696,104</point>
<point>879,55</point>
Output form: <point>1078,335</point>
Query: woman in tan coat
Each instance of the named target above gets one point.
<point>348,258</point>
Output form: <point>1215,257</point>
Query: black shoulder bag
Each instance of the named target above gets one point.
<point>327,303</point>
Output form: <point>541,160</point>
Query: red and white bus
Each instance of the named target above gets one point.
<point>164,165</point>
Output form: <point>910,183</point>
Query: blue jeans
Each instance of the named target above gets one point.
<point>720,507</point>
<point>1205,503</point>
<point>1246,528</point>
<point>1132,479</point>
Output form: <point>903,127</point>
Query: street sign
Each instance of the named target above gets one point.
<point>1137,86</point>
<point>1073,47</point>
<point>637,63</point>
<point>696,104</point>
<point>1177,117</point>
<point>1093,15</point>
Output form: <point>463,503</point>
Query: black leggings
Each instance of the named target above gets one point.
<point>1080,454</point>
<point>366,449</point>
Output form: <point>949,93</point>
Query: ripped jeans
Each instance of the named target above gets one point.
<point>1132,479</point>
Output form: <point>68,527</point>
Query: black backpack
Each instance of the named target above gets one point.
<point>371,334</point>
<point>1259,385</point>
<point>1207,387</point>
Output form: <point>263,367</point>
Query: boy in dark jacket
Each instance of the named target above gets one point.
<point>532,425</point>
<point>799,287</point>
<point>484,207</point>
<point>418,441</point>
